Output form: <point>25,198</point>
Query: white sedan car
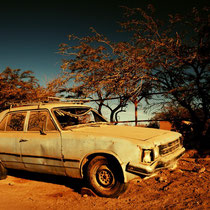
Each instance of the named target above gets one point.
<point>72,139</point>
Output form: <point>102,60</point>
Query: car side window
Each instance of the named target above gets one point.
<point>16,121</point>
<point>40,120</point>
<point>3,123</point>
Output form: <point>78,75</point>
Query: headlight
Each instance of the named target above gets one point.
<point>149,155</point>
<point>146,156</point>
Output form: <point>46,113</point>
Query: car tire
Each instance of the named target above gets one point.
<point>105,178</point>
<point>3,171</point>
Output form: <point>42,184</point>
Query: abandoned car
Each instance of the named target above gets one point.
<point>72,139</point>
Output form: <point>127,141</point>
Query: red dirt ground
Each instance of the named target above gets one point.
<point>186,187</point>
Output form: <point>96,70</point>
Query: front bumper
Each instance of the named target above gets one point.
<point>162,162</point>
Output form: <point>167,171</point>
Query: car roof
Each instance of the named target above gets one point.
<point>48,105</point>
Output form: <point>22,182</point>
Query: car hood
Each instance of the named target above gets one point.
<point>134,134</point>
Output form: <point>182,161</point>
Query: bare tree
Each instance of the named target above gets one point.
<point>97,68</point>
<point>178,54</point>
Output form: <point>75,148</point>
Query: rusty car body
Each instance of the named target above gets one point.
<point>72,139</point>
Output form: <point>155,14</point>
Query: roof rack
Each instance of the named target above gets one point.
<point>48,100</point>
<point>20,104</point>
<point>79,101</point>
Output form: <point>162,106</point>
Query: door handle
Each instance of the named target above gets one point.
<point>23,140</point>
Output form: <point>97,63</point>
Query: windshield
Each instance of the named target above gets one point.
<point>76,116</point>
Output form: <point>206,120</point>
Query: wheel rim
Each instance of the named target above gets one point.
<point>105,177</point>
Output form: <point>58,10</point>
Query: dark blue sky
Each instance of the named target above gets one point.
<point>31,31</point>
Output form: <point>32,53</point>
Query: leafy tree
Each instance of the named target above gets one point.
<point>171,56</point>
<point>179,117</point>
<point>177,51</point>
<point>172,113</point>
<point>17,86</point>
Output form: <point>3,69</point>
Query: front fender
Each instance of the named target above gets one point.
<point>105,153</point>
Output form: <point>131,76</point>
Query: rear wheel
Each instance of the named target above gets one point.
<point>105,178</point>
<point>3,171</point>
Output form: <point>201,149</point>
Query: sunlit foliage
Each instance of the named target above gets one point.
<point>20,86</point>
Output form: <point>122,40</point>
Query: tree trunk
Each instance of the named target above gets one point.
<point>136,112</point>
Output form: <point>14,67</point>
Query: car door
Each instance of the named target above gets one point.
<point>40,145</point>
<point>11,132</point>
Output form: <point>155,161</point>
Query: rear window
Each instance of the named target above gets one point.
<point>16,121</point>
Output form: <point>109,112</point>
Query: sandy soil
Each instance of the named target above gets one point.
<point>187,187</point>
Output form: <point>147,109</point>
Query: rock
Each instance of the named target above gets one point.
<point>161,179</point>
<point>199,169</point>
<point>87,192</point>
<point>189,159</point>
<point>180,171</point>
<point>202,170</point>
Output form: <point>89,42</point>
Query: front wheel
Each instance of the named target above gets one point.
<point>3,171</point>
<point>105,178</point>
